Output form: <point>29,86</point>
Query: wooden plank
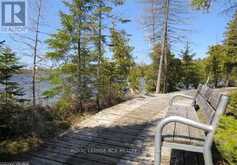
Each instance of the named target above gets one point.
<point>177,132</point>
<point>215,99</point>
<point>54,157</point>
<point>204,111</point>
<point>99,139</point>
<point>43,161</point>
<point>81,157</point>
<point>181,134</point>
<point>196,135</point>
<point>208,93</point>
<point>203,90</point>
<point>85,142</point>
<point>110,129</point>
<point>168,131</point>
<point>104,150</point>
<point>66,158</point>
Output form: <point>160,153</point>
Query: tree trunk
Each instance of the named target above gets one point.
<point>99,59</point>
<point>227,80</point>
<point>165,67</point>
<point>35,54</point>
<point>228,73</point>
<point>153,37</point>
<point>163,46</point>
<point>78,33</point>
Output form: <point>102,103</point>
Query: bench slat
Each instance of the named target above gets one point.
<point>168,132</point>
<point>181,130</point>
<point>181,133</point>
<point>206,111</point>
<point>196,135</point>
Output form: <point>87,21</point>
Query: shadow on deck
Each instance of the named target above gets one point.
<point>125,144</point>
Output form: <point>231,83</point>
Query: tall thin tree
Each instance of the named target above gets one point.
<point>164,44</point>
<point>168,22</point>
<point>37,23</point>
<point>32,41</point>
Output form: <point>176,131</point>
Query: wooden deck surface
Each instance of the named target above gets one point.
<point>123,134</point>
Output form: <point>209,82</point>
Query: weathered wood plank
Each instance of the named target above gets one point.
<point>43,161</point>
<point>181,133</point>
<point>196,135</point>
<point>122,129</point>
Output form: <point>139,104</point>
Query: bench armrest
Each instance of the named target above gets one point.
<point>182,120</point>
<point>165,121</point>
<point>179,95</point>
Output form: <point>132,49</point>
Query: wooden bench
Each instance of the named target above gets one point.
<point>184,129</point>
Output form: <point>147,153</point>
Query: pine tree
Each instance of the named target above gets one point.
<point>173,69</point>
<point>9,66</point>
<point>151,72</point>
<point>108,78</point>
<point>103,11</point>
<point>99,42</point>
<point>190,76</point>
<point>215,63</point>
<point>70,51</point>
<point>230,5</point>
<point>77,50</point>
<point>231,47</point>
<point>122,57</point>
<point>201,4</point>
<point>174,72</point>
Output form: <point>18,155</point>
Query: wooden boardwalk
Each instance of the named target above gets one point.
<point>123,134</point>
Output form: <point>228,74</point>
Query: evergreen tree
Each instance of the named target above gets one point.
<point>137,72</point>
<point>78,50</point>
<point>9,66</point>
<point>175,73</point>
<point>201,4</point>
<point>122,57</point>
<point>103,10</point>
<point>215,63</point>
<point>108,79</point>
<point>151,71</point>
<point>173,69</point>
<point>70,51</point>
<point>190,76</point>
<point>231,48</point>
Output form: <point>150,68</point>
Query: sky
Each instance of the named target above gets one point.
<point>206,28</point>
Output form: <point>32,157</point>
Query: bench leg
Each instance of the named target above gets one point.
<point>208,157</point>
<point>158,149</point>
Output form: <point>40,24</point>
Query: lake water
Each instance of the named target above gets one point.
<point>25,81</point>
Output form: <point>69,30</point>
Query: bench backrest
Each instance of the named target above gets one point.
<point>210,104</point>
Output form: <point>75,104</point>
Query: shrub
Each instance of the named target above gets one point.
<point>23,128</point>
<point>17,146</point>
<point>226,139</point>
<point>232,109</point>
<point>17,121</point>
<point>226,135</point>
